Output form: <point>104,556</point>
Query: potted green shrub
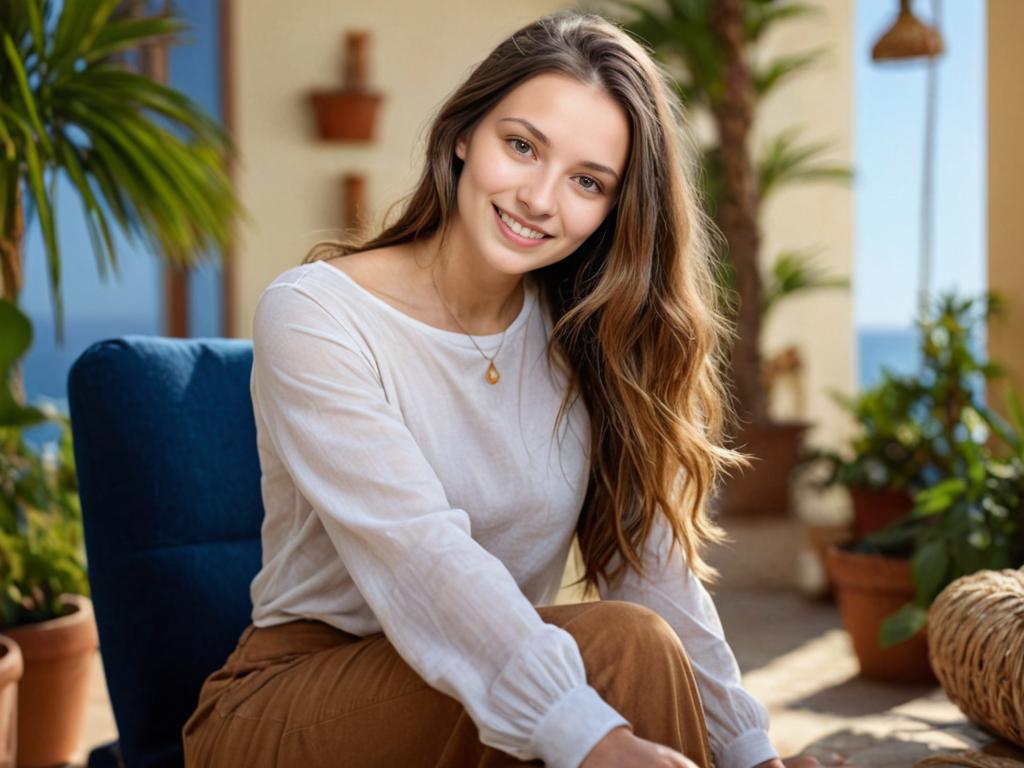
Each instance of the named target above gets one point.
<point>711,49</point>
<point>964,464</point>
<point>888,459</point>
<point>44,603</point>
<point>141,159</point>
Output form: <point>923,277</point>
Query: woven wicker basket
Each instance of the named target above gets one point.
<point>976,648</point>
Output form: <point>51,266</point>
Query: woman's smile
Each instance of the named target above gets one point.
<point>516,232</point>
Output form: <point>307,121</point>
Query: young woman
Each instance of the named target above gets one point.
<point>530,353</point>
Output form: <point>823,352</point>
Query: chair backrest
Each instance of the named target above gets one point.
<point>169,479</point>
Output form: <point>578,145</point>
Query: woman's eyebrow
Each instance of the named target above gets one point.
<point>547,143</point>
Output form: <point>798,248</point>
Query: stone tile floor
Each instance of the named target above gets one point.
<point>795,657</point>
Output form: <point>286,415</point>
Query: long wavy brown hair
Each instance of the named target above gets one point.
<point>638,321</point>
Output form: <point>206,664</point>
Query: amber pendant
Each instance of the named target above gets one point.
<point>492,374</point>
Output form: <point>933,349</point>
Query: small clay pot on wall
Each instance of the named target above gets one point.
<point>869,588</point>
<point>53,692</point>
<point>10,673</point>
<point>349,114</point>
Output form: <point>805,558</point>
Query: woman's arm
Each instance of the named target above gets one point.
<point>737,722</point>
<point>450,608</point>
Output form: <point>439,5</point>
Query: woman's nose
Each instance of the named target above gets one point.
<point>537,194</point>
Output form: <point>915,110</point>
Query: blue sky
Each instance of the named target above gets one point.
<point>888,159</point>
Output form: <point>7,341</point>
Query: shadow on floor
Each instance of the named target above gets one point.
<point>858,696</point>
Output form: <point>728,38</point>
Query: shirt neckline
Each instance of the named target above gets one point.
<point>455,337</point>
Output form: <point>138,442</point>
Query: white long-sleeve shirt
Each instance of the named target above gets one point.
<point>404,493</point>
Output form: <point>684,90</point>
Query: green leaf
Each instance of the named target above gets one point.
<point>1016,413</point>
<point>125,34</point>
<point>902,625</point>
<point>15,339</point>
<point>946,489</point>
<point>27,99</point>
<point>767,77</point>
<point>785,161</point>
<point>928,568</point>
<point>96,219</point>
<point>759,17</point>
<point>793,273</point>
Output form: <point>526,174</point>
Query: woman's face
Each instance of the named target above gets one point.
<point>549,156</point>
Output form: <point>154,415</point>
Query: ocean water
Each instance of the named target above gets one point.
<point>895,349</point>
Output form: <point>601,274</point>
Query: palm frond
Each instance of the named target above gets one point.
<point>761,15</point>
<point>795,272</point>
<point>785,160</point>
<point>768,76</point>
<point>141,157</point>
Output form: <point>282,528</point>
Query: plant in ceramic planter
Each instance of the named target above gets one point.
<point>888,459</point>
<point>966,467</point>
<point>971,521</point>
<point>44,589</point>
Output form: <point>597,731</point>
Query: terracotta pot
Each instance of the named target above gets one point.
<point>11,669</point>
<point>870,588</point>
<point>346,115</point>
<point>58,656</point>
<point>763,490</point>
<point>875,508</point>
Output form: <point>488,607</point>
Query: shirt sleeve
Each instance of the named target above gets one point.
<point>737,722</point>
<point>451,609</point>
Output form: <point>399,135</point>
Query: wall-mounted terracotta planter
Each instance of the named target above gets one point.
<point>346,115</point>
<point>350,113</point>
<point>875,508</point>
<point>58,657</point>
<point>869,588</point>
<point>10,673</point>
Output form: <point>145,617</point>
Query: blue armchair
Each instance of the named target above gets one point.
<point>169,479</point>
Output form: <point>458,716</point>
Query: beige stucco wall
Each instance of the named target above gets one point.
<point>1005,171</point>
<point>817,216</point>
<point>290,181</point>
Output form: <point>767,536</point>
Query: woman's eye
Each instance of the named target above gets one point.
<point>519,143</point>
<point>589,184</point>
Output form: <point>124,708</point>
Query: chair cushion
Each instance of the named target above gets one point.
<point>169,479</point>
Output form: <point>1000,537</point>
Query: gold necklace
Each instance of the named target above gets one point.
<point>492,374</point>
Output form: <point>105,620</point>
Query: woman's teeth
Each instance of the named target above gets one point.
<point>518,228</point>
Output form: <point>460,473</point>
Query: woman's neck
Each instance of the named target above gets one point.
<point>481,303</point>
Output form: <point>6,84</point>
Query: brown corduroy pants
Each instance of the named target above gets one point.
<point>307,695</point>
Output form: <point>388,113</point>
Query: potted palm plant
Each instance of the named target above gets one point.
<point>709,47</point>
<point>143,159</point>
<point>965,466</point>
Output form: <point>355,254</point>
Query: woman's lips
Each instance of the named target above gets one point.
<point>525,242</point>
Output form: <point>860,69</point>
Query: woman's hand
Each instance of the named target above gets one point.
<point>791,762</point>
<point>621,749</point>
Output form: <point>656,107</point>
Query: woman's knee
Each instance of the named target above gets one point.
<point>617,629</point>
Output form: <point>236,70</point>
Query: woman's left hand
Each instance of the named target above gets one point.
<point>791,762</point>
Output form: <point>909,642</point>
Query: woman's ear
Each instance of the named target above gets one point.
<point>460,149</point>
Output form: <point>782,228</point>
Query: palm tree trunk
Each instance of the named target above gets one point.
<point>738,207</point>
<point>11,275</point>
<point>12,271</point>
